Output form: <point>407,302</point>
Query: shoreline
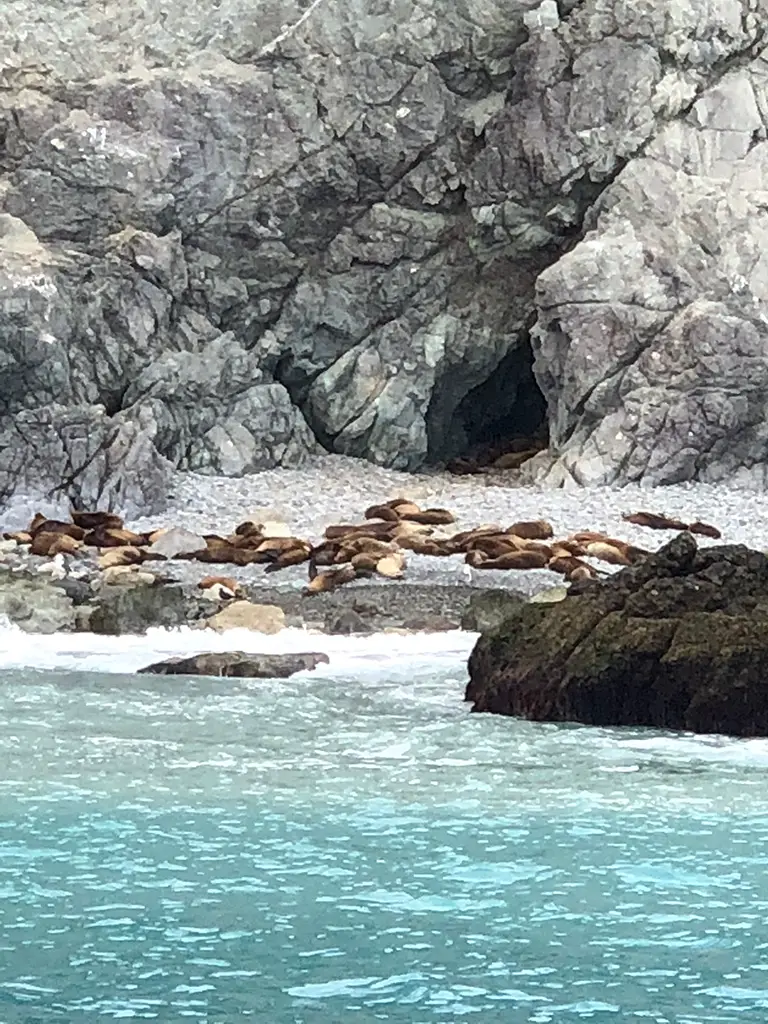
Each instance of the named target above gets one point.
<point>435,591</point>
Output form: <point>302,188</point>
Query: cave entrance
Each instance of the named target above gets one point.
<point>500,419</point>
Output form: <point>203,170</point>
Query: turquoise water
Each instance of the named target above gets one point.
<point>328,849</point>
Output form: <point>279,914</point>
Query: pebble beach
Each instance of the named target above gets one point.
<point>336,489</point>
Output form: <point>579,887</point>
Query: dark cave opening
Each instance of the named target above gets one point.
<point>505,415</point>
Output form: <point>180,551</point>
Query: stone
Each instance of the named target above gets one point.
<point>392,241</point>
<point>678,641</point>
<point>35,604</point>
<point>238,664</point>
<point>262,618</point>
<point>121,610</point>
<point>550,595</point>
<point>127,576</point>
<point>487,609</point>
<point>177,541</point>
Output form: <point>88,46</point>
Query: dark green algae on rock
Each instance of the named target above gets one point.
<point>678,642</point>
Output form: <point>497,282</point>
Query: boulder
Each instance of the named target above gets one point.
<point>238,664</point>
<point>35,603</point>
<point>135,609</point>
<point>177,541</point>
<point>679,641</point>
<point>263,618</point>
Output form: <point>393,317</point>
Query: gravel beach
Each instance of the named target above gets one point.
<point>335,489</point>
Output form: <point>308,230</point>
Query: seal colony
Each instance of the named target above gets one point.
<point>379,545</point>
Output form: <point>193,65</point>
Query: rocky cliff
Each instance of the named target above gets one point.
<point>234,233</point>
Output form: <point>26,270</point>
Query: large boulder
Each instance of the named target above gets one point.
<point>677,642</point>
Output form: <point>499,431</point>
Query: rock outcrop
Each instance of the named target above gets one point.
<point>237,664</point>
<point>229,238</point>
<point>677,642</point>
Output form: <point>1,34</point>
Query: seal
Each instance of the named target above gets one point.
<point>96,520</point>
<point>538,529</point>
<point>513,560</point>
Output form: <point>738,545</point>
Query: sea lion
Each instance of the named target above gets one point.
<point>120,556</point>
<point>20,536</point>
<point>512,560</point>
<point>332,579</point>
<point>391,566</point>
<point>369,529</point>
<point>492,545</point>
<point>403,507</point>
<point>96,520</point>
<point>112,538</point>
<point>428,517</point>
<point>421,545</point>
<point>56,526</point>
<point>654,521</point>
<point>383,512</point>
<point>249,529</point>
<point>225,581</point>
<point>295,555</point>
<point>538,529</point>
<point>705,530</point>
<point>571,567</point>
<point>369,545</point>
<point>514,460</point>
<point>607,551</point>
<point>48,544</point>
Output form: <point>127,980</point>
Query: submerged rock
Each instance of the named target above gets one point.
<point>238,664</point>
<point>679,641</point>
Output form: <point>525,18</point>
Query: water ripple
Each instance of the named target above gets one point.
<point>360,846</point>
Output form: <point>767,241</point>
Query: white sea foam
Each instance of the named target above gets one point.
<point>382,653</point>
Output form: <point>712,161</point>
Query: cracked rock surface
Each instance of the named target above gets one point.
<point>232,237</point>
<point>679,641</point>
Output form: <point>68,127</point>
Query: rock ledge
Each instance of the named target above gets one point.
<point>678,642</point>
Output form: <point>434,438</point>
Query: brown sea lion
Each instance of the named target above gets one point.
<point>56,526</point>
<point>120,556</point>
<point>705,530</point>
<point>391,566</point>
<point>512,560</point>
<point>20,536</point>
<point>249,529</point>
<point>538,529</point>
<point>608,552</point>
<point>428,517</point>
<point>110,538</point>
<point>654,521</point>
<point>421,545</point>
<point>96,520</point>
<point>290,556</point>
<point>514,460</point>
<point>47,544</point>
<point>383,512</point>
<point>369,529</point>
<point>364,545</point>
<point>331,579</point>
<point>492,545</point>
<point>228,582</point>
<point>571,567</point>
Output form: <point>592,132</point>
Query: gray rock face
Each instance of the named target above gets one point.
<point>229,239</point>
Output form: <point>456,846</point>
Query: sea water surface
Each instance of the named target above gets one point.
<point>352,844</point>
